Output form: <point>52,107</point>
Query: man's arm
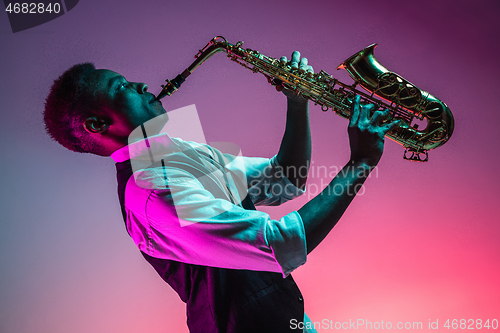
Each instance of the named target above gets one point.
<point>366,137</point>
<point>294,155</point>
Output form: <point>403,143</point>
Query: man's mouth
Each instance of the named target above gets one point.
<point>153,99</point>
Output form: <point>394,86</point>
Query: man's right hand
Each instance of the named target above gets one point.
<point>367,135</point>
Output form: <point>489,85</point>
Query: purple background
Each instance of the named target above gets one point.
<point>421,243</point>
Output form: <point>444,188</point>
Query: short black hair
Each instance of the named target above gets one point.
<point>71,100</point>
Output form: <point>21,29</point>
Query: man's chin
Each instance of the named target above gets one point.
<point>158,105</point>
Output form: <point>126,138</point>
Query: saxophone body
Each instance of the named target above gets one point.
<point>427,122</point>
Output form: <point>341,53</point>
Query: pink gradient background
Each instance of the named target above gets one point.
<point>421,243</point>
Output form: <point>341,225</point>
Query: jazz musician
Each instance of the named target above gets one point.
<point>228,262</point>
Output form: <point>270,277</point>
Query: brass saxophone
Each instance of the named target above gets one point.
<point>385,89</point>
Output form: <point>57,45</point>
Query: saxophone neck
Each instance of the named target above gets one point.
<point>216,45</point>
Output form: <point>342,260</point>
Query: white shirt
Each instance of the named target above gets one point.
<point>187,207</point>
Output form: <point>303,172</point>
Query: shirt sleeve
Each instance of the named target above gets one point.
<point>266,183</point>
<point>185,222</point>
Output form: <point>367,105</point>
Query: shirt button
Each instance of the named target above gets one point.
<point>300,299</point>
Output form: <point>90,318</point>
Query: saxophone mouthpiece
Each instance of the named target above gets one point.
<point>172,86</point>
<point>161,94</point>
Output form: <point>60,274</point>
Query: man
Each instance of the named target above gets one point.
<point>185,210</point>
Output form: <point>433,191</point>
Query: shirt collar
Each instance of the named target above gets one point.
<point>148,148</point>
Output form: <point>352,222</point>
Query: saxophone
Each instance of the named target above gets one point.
<point>427,122</point>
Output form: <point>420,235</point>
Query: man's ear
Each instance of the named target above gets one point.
<point>95,125</point>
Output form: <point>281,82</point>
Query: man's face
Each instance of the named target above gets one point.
<point>127,105</point>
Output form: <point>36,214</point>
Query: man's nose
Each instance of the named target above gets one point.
<point>142,88</point>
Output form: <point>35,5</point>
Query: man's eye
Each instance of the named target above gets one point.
<point>121,86</point>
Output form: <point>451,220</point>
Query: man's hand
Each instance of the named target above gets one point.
<point>300,64</point>
<point>366,135</point>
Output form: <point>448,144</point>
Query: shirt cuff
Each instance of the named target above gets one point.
<point>287,239</point>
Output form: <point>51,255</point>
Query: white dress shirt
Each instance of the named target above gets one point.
<point>183,203</point>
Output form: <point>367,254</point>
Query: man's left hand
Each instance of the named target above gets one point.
<point>300,64</point>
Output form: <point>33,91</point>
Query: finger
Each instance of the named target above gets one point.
<point>310,69</point>
<point>295,59</point>
<point>278,84</point>
<point>390,126</point>
<point>379,115</point>
<point>283,59</point>
<point>303,64</point>
<point>364,112</point>
<point>354,111</point>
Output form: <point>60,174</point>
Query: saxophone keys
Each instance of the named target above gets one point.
<point>416,155</point>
